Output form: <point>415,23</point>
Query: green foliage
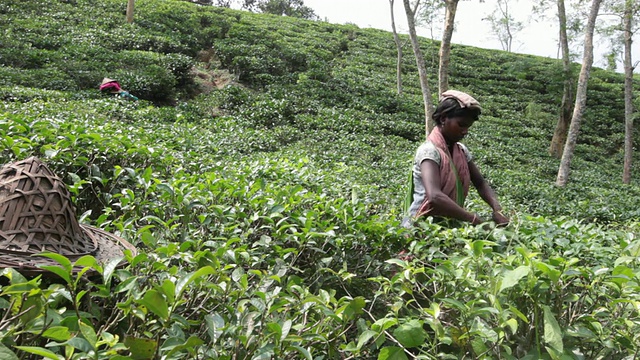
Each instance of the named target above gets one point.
<point>266,210</point>
<point>294,8</point>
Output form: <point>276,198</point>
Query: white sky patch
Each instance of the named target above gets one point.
<point>537,38</point>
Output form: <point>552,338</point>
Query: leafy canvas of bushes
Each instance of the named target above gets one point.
<point>267,210</point>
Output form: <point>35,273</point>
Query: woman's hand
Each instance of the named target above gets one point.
<point>500,219</point>
<point>476,220</point>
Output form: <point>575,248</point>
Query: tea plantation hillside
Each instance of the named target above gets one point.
<point>261,175</point>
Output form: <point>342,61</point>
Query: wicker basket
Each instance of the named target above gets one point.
<point>37,215</point>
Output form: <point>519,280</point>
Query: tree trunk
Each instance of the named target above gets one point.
<point>130,11</point>
<point>560,133</point>
<point>396,38</point>
<point>507,17</point>
<point>581,97</point>
<point>628,93</point>
<point>422,69</point>
<point>445,46</point>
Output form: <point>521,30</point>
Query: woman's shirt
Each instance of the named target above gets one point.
<point>426,151</point>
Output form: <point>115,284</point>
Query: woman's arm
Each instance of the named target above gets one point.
<point>487,194</point>
<point>441,204</point>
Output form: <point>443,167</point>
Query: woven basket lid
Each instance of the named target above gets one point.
<point>37,215</point>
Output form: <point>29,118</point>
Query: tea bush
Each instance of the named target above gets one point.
<point>266,210</point>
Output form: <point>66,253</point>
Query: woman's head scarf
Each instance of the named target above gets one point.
<point>463,102</point>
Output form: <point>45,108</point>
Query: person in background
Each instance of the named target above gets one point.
<point>443,168</point>
<point>113,87</point>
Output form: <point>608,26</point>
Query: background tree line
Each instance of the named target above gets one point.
<point>293,8</point>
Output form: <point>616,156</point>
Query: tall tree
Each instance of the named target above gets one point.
<point>562,126</point>
<point>631,9</point>
<point>581,96</point>
<point>429,16</point>
<point>445,45</point>
<point>130,11</point>
<point>422,69</point>
<point>504,25</point>
<point>620,32</point>
<point>451,7</point>
<point>569,26</point>
<point>396,39</point>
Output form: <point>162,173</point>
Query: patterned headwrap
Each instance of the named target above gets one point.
<point>465,100</point>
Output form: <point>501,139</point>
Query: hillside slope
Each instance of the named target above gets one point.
<point>261,177</point>
<point>327,89</point>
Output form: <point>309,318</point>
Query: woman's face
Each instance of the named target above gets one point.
<point>456,128</point>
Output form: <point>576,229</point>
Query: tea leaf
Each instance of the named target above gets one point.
<point>186,280</point>
<point>58,333</point>
<point>191,343</point>
<point>109,268</point>
<point>6,353</point>
<point>215,323</point>
<point>392,353</point>
<point>511,277</point>
<point>40,351</point>
<point>89,334</point>
<point>141,348</point>
<point>155,302</point>
<point>286,328</point>
<point>65,274</point>
<point>304,352</point>
<point>552,331</point>
<point>365,337</point>
<point>410,334</point>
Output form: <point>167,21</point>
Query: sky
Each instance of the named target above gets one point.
<point>537,38</point>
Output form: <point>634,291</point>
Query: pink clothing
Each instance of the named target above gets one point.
<point>447,175</point>
<point>113,86</point>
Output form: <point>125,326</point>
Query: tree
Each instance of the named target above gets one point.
<point>218,3</point>
<point>396,39</point>
<point>569,25</point>
<point>630,11</point>
<point>504,25</point>
<point>293,8</point>
<point>581,96</point>
<point>451,7</point>
<point>430,14</point>
<point>620,32</point>
<point>445,45</point>
<point>562,126</point>
<point>130,11</point>
<point>422,70</point>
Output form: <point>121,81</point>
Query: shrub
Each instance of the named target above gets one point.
<point>180,66</point>
<point>154,83</point>
<point>44,78</point>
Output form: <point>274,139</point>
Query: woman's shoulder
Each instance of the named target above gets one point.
<point>466,151</point>
<point>427,151</point>
<point>427,145</point>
